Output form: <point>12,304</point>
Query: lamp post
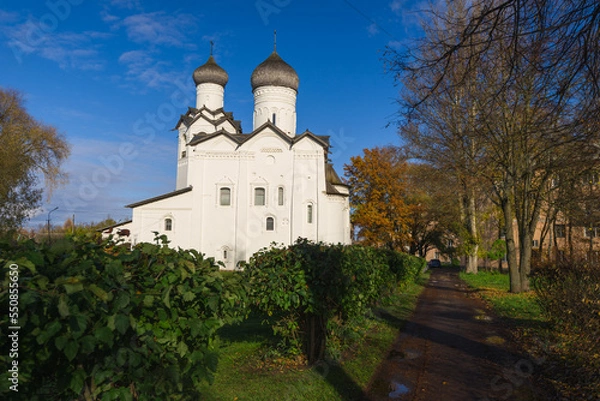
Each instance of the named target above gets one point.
<point>49,222</point>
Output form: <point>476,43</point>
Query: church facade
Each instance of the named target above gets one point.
<point>239,192</point>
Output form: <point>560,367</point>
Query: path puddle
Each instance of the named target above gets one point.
<point>398,390</point>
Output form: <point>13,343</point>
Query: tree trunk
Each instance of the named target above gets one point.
<point>470,223</point>
<point>511,249</point>
<point>316,338</point>
<point>525,260</point>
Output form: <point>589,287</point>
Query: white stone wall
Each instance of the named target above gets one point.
<point>279,101</point>
<point>210,96</point>
<point>151,217</point>
<point>234,232</point>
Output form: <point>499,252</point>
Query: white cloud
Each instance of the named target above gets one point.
<point>159,28</point>
<point>8,18</point>
<point>76,50</point>
<point>109,18</point>
<point>107,175</point>
<point>143,66</point>
<point>396,6</point>
<point>136,57</point>
<point>373,29</point>
<point>395,44</point>
<point>129,4</point>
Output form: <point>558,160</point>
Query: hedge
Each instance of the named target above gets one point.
<point>98,322</point>
<point>304,287</point>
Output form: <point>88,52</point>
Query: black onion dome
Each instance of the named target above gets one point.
<point>210,72</point>
<point>274,72</point>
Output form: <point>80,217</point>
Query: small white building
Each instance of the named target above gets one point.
<point>239,192</point>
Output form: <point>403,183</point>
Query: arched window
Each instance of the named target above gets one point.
<point>225,196</point>
<point>274,119</point>
<point>259,196</point>
<point>270,224</point>
<point>280,196</point>
<point>168,224</point>
<point>309,214</point>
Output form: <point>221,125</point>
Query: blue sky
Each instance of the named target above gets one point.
<point>114,75</point>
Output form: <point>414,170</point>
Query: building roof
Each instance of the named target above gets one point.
<point>193,114</point>
<point>114,225</point>
<point>240,139</point>
<point>160,197</point>
<point>330,189</point>
<point>332,179</point>
<point>275,72</point>
<point>332,176</point>
<point>210,72</point>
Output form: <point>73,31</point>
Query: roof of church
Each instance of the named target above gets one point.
<point>114,225</point>
<point>331,175</point>
<point>323,140</point>
<point>275,72</point>
<point>193,114</point>
<point>160,197</point>
<point>330,189</point>
<point>331,180</point>
<point>210,72</point>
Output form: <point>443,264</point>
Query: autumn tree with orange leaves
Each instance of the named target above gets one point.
<point>377,198</point>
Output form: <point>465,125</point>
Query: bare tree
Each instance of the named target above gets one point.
<point>442,129</point>
<point>528,93</point>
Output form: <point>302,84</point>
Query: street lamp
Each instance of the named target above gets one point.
<point>49,222</point>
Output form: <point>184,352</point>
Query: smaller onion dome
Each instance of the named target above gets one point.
<point>274,72</point>
<point>211,73</point>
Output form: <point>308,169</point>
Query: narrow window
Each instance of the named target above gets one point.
<point>225,196</point>
<point>168,224</point>
<point>183,154</point>
<point>309,214</point>
<point>274,119</point>
<point>280,196</point>
<point>259,196</point>
<point>270,224</point>
<point>224,253</point>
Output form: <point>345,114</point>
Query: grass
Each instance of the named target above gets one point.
<point>244,373</point>
<point>494,288</point>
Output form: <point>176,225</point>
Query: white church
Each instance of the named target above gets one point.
<point>239,192</point>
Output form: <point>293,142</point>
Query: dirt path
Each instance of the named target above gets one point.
<point>452,349</point>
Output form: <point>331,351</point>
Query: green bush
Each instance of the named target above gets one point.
<point>98,322</point>
<point>309,292</point>
<point>406,267</point>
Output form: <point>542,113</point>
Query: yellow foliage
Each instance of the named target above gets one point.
<point>379,189</point>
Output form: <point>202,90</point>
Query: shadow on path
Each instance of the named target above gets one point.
<point>452,349</point>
